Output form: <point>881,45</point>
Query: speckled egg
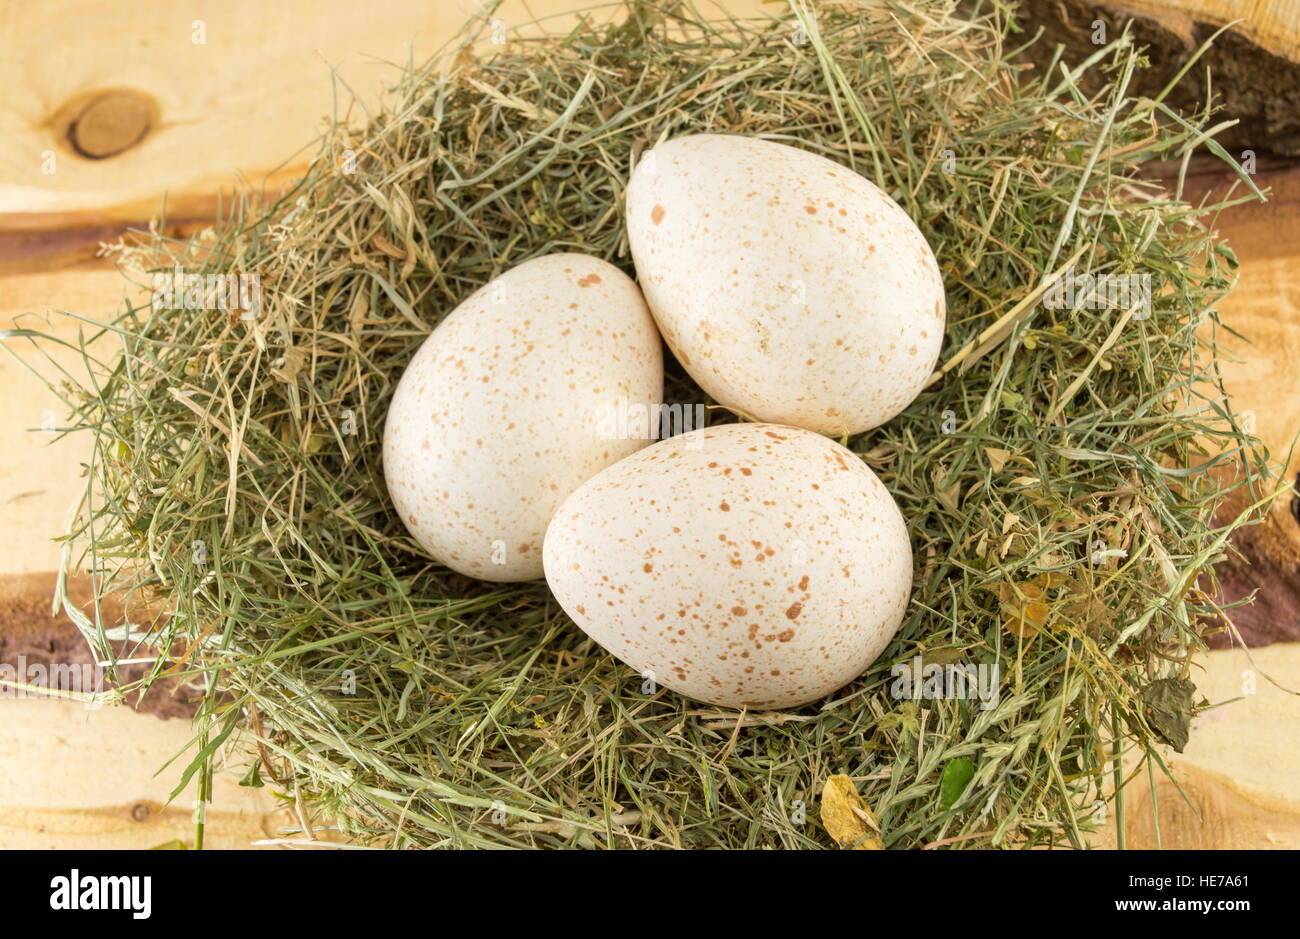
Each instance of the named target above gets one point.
<point>501,413</point>
<point>747,565</point>
<point>791,288</point>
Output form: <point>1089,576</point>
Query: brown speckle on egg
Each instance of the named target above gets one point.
<point>849,297</point>
<point>461,416</point>
<point>783,644</point>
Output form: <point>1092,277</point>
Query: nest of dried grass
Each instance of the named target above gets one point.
<point>1060,474</point>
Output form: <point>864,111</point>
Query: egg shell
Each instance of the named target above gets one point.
<point>746,565</point>
<point>790,288</point>
<point>498,416</point>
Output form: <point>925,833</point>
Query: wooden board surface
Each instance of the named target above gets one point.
<point>1272,24</point>
<point>1255,65</point>
<point>77,778</point>
<point>224,87</point>
<point>40,471</point>
<point>1259,373</point>
<point>237,87</point>
<point>247,100</point>
<point>1238,773</point>
<point>73,778</point>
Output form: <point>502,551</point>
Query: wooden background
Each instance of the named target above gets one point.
<point>112,107</point>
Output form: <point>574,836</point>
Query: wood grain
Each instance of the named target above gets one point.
<point>1273,25</point>
<point>1260,374</point>
<point>40,470</point>
<point>77,778</point>
<point>1255,66</point>
<point>1204,810</point>
<point>239,88</point>
<point>208,90</point>
<point>1240,770</point>
<point>102,122</point>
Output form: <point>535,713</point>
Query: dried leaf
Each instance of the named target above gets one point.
<point>1009,521</point>
<point>1167,706</point>
<point>1023,609</point>
<point>947,493</point>
<point>1049,580</point>
<point>287,367</point>
<point>1086,611</point>
<point>526,108</point>
<point>387,247</point>
<point>997,458</point>
<point>906,718</point>
<point>360,312</point>
<point>945,656</point>
<point>1051,559</point>
<point>464,60</point>
<point>846,816</point>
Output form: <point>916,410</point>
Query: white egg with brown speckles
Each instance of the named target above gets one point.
<point>503,411</point>
<point>747,565</point>
<point>790,287</point>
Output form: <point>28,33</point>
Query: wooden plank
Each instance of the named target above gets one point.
<point>77,778</point>
<point>1260,377</point>
<point>185,98</point>
<point>1273,25</point>
<point>1241,766</point>
<point>1255,66</point>
<point>1212,812</point>
<point>247,100</point>
<point>237,87</point>
<point>41,473</point>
